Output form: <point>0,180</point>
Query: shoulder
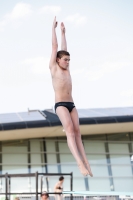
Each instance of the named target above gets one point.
<point>57,184</point>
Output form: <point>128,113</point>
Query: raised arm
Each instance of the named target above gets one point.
<point>63,37</point>
<point>54,45</point>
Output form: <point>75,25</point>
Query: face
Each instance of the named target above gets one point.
<point>62,181</point>
<point>44,197</point>
<point>63,62</point>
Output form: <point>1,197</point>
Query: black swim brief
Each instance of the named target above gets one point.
<point>68,105</point>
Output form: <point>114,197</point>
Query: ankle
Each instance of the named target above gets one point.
<point>80,162</point>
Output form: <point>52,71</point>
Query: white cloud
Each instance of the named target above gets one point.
<point>126,103</point>
<point>77,19</point>
<point>38,65</point>
<point>105,69</point>
<point>111,67</point>
<point>77,71</point>
<point>50,9</point>
<point>95,73</point>
<point>127,93</point>
<point>20,11</point>
<point>25,72</point>
<point>2,25</point>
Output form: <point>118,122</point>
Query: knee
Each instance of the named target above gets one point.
<point>70,130</point>
<point>77,131</point>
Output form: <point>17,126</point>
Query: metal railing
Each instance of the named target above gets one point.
<point>8,177</point>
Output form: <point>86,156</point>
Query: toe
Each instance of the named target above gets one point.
<point>91,174</point>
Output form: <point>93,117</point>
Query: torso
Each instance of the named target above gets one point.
<point>62,84</point>
<point>58,184</point>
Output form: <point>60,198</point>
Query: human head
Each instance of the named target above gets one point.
<point>63,58</point>
<point>16,198</point>
<point>61,178</point>
<point>44,195</point>
<point>62,53</point>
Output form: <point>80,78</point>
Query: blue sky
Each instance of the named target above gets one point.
<point>100,40</point>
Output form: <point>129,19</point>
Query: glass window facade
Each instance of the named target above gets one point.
<point>110,157</point>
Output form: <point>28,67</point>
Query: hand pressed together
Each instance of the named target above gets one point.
<point>63,27</point>
<point>55,23</point>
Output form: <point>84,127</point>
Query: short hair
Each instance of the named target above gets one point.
<point>62,53</point>
<point>61,178</point>
<point>44,193</point>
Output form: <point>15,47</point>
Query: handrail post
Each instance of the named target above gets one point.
<point>47,183</point>
<point>41,183</point>
<point>71,185</point>
<point>6,185</point>
<point>9,187</point>
<point>36,175</point>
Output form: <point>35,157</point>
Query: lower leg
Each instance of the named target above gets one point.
<point>73,148</point>
<point>82,153</point>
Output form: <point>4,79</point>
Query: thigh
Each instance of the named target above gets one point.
<point>75,120</point>
<point>65,118</point>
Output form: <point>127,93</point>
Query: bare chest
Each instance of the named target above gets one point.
<point>62,76</point>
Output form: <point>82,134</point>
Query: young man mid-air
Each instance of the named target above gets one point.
<point>64,105</point>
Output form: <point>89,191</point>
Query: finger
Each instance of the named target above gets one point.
<point>54,19</point>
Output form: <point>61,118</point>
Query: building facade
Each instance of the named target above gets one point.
<point>109,150</point>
